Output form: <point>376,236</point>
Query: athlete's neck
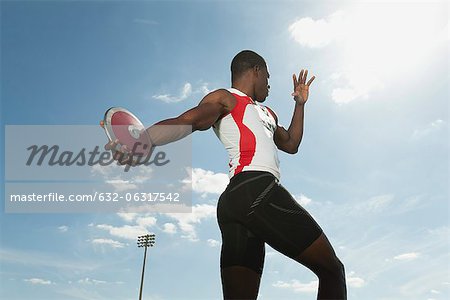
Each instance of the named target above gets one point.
<point>249,91</point>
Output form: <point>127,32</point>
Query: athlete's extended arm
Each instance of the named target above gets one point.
<point>201,117</point>
<point>289,140</point>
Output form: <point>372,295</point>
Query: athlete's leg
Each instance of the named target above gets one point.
<point>241,262</point>
<point>240,282</point>
<point>322,260</point>
<point>289,228</point>
<point>242,254</point>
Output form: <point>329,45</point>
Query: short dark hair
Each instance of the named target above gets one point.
<point>243,61</point>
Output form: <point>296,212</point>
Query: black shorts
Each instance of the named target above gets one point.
<point>255,209</point>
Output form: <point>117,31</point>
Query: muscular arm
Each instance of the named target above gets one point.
<point>200,117</point>
<point>289,140</point>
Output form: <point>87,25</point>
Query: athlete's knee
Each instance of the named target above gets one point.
<point>339,270</point>
<point>333,269</point>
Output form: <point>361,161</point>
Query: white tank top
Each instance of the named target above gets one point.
<point>247,134</point>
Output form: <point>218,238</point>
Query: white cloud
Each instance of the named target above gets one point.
<point>312,286</point>
<point>354,281</point>
<point>428,129</point>
<point>106,171</point>
<point>128,217</point>
<point>108,242</point>
<point>187,221</point>
<point>379,203</point>
<point>91,281</point>
<point>184,94</point>
<point>207,182</point>
<point>347,95</point>
<point>203,181</point>
<point>407,256</point>
<point>370,52</point>
<point>213,243</point>
<point>354,83</point>
<point>297,286</point>
<point>126,232</point>
<point>115,176</point>
<point>303,200</point>
<point>38,281</point>
<point>169,228</point>
<point>146,222</point>
<point>317,33</point>
<point>63,228</point>
<point>120,185</point>
<point>188,89</point>
<point>203,89</point>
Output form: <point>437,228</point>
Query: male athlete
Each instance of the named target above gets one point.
<point>255,208</point>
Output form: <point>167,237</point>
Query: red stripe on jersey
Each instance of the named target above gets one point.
<point>274,115</point>
<point>247,140</point>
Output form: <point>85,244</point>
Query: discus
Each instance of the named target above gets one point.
<point>122,125</point>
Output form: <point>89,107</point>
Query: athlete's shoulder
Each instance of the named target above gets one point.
<point>221,96</point>
<point>274,115</point>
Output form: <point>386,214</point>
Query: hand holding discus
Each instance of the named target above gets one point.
<point>128,139</point>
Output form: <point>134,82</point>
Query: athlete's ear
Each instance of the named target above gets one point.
<point>256,69</point>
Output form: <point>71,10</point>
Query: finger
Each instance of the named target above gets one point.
<point>117,154</point>
<point>124,160</point>
<point>311,80</point>
<point>300,76</point>
<point>124,149</point>
<point>111,145</point>
<point>305,76</point>
<point>130,161</point>
<point>294,78</point>
<point>108,145</point>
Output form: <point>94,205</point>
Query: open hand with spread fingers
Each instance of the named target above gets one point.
<point>301,88</point>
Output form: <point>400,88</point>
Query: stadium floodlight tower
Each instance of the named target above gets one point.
<point>145,241</point>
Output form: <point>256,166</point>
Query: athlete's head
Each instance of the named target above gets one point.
<point>251,66</point>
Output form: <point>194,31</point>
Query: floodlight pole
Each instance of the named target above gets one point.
<point>145,241</point>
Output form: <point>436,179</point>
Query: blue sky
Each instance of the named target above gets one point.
<point>372,167</point>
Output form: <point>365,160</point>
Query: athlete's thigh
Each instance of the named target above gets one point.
<point>284,224</point>
<point>241,262</point>
<point>240,247</point>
